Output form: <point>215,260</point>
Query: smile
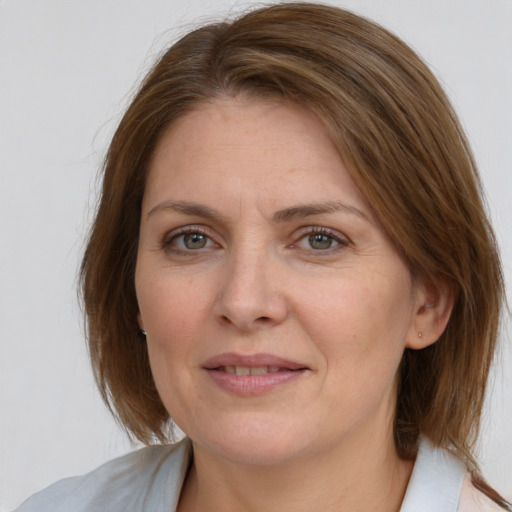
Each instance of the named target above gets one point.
<point>252,375</point>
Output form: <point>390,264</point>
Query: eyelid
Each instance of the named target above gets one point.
<point>342,240</point>
<point>172,235</point>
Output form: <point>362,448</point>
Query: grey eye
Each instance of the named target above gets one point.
<point>195,241</point>
<point>319,241</point>
<point>187,241</point>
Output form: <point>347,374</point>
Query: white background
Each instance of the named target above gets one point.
<point>67,69</point>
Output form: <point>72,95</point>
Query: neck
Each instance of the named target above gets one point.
<point>362,473</point>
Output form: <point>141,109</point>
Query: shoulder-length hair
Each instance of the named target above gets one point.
<point>406,151</point>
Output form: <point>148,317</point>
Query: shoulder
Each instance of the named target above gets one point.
<point>131,482</point>
<point>472,500</point>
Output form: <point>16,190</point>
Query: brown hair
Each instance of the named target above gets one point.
<point>406,151</point>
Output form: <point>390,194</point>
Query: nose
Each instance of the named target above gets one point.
<point>251,296</point>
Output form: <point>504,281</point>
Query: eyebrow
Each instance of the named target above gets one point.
<point>187,208</point>
<point>308,210</point>
<point>285,215</point>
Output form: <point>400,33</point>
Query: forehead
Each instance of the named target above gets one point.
<point>250,145</point>
<point>246,123</point>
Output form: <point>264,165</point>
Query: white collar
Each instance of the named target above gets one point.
<point>436,481</point>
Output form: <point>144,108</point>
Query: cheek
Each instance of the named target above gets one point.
<point>172,308</point>
<point>360,322</point>
<point>173,314</point>
<point>173,311</point>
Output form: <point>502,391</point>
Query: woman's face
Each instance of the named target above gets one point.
<point>276,309</point>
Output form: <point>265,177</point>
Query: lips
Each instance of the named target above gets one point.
<point>249,375</point>
<point>252,361</point>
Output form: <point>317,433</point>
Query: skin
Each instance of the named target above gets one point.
<point>254,280</point>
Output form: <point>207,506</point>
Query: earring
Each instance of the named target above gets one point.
<point>143,332</point>
<point>420,335</point>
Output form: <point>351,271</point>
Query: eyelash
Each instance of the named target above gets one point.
<point>309,231</point>
<point>341,242</point>
<point>170,238</point>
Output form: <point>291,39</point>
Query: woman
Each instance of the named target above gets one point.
<point>283,263</point>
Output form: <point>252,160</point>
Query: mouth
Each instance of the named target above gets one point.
<point>248,370</point>
<point>252,375</point>
<point>252,364</point>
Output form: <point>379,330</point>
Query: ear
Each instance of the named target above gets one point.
<point>434,305</point>
<point>140,322</point>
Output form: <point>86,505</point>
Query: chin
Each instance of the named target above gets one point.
<point>259,452</point>
<point>253,445</point>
